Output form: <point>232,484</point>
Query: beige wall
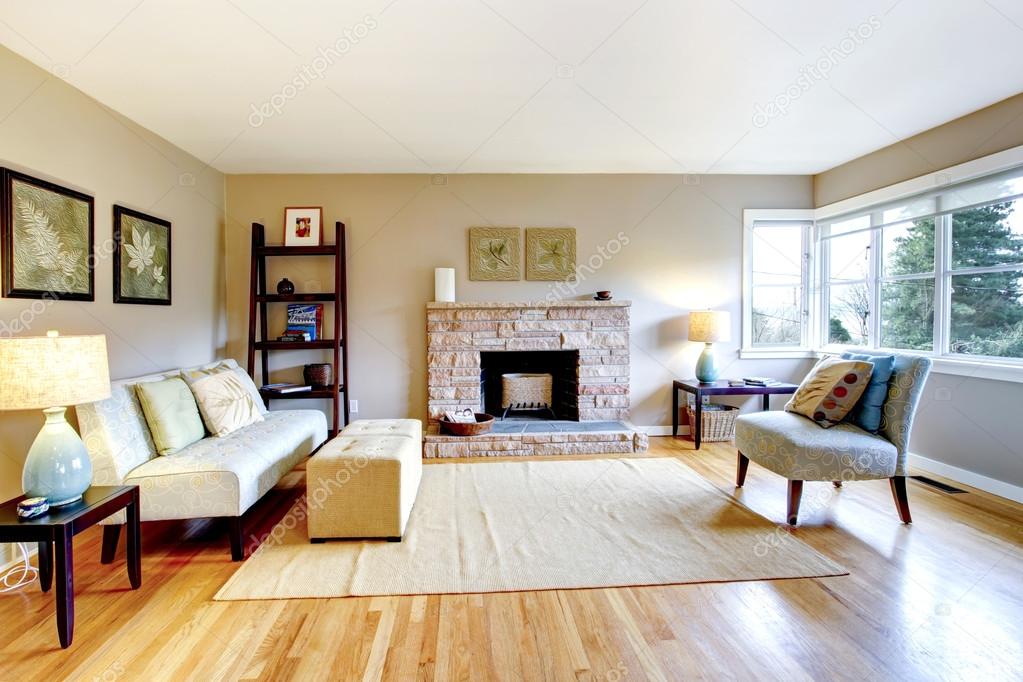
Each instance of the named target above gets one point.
<point>992,129</point>
<point>684,252</point>
<point>50,130</point>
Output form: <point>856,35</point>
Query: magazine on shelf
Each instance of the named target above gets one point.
<point>305,318</point>
<point>286,388</point>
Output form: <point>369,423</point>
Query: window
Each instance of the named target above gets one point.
<point>940,272</point>
<point>775,304</point>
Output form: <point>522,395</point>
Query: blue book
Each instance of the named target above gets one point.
<point>306,318</point>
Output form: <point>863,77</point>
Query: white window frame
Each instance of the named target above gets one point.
<point>945,362</point>
<point>749,217</point>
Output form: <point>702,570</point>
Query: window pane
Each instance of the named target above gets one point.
<point>987,314</point>
<point>908,248</point>
<point>988,236</point>
<point>777,253</point>
<point>848,314</point>
<point>860,223</point>
<point>907,314</point>
<point>849,257</point>
<point>777,319</point>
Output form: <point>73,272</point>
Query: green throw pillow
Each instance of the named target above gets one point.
<point>171,413</point>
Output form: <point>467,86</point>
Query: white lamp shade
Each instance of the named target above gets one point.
<point>37,372</point>
<point>710,326</point>
<point>444,285</point>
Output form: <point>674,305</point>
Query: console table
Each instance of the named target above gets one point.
<point>54,530</point>
<point>700,389</point>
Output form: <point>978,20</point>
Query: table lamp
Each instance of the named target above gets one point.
<point>50,373</point>
<point>709,326</point>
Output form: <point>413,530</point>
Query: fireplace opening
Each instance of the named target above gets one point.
<point>526,394</point>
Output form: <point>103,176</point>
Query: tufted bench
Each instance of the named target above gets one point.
<point>363,483</point>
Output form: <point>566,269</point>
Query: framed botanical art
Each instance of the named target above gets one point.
<point>495,254</point>
<point>142,258</point>
<point>303,226</point>
<point>550,253</point>
<point>46,239</point>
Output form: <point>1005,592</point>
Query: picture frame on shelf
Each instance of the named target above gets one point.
<point>303,226</point>
<point>142,258</point>
<point>46,239</point>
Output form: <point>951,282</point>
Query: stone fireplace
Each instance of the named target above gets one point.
<point>583,344</point>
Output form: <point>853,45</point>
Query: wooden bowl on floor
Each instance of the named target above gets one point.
<point>483,424</point>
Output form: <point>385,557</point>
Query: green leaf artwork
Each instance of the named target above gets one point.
<point>143,259</point>
<point>50,241</point>
<point>494,254</point>
<point>550,253</point>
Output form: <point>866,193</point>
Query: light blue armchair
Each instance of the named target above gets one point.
<point>800,450</point>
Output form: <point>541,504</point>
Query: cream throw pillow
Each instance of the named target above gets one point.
<point>171,414</point>
<point>224,402</point>
<point>830,390</point>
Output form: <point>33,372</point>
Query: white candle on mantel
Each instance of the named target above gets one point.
<point>444,285</point>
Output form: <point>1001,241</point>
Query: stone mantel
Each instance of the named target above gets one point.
<point>532,305</point>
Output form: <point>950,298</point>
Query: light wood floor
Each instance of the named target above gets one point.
<point>940,599</point>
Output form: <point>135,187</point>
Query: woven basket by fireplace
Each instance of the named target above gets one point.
<point>718,422</point>
<point>526,390</point>
<point>483,424</point>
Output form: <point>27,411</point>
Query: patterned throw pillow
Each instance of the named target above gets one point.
<point>224,402</point>
<point>830,390</point>
<point>247,382</point>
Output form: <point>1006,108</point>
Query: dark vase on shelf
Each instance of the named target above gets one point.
<point>285,287</point>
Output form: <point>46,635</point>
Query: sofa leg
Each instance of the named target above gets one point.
<point>111,534</point>
<point>394,539</point>
<point>237,539</point>
<point>740,474</point>
<point>795,495</point>
<point>837,484</point>
<point>901,496</point>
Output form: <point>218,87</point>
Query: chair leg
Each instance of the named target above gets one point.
<point>901,496</point>
<point>740,474</point>
<point>795,495</point>
<point>235,534</point>
<point>111,534</point>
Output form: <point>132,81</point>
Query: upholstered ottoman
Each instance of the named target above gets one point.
<point>363,483</point>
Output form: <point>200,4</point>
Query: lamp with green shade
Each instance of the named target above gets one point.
<point>709,327</point>
<point>51,373</point>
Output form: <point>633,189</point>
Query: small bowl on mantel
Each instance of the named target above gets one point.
<point>484,422</point>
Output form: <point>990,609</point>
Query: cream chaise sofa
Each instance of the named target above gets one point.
<point>215,477</point>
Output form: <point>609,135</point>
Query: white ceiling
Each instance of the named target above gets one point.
<point>529,85</point>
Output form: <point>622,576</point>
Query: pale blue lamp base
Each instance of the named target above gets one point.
<point>706,367</point>
<point>58,466</point>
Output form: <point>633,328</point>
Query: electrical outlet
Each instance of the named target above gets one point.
<point>353,406</point>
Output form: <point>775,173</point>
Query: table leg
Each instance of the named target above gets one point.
<point>134,528</point>
<point>698,417</point>
<point>45,560</point>
<point>65,566</point>
<point>767,402</point>
<point>674,411</point>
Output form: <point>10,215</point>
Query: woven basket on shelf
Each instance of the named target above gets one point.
<point>718,423</point>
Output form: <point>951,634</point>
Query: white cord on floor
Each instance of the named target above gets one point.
<point>19,576</point>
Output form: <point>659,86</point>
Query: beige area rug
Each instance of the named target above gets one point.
<point>509,526</point>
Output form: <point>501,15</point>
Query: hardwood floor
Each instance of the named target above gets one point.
<point>940,599</point>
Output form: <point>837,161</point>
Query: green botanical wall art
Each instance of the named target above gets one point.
<point>495,254</point>
<point>550,253</point>
<point>47,234</point>
<point>142,258</point>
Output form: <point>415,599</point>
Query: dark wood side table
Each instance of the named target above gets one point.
<point>700,390</point>
<point>54,531</point>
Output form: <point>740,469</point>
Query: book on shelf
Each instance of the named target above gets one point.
<point>305,318</point>
<point>294,336</point>
<point>287,388</point>
<point>760,381</point>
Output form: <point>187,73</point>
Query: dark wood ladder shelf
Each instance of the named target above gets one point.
<point>259,339</point>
